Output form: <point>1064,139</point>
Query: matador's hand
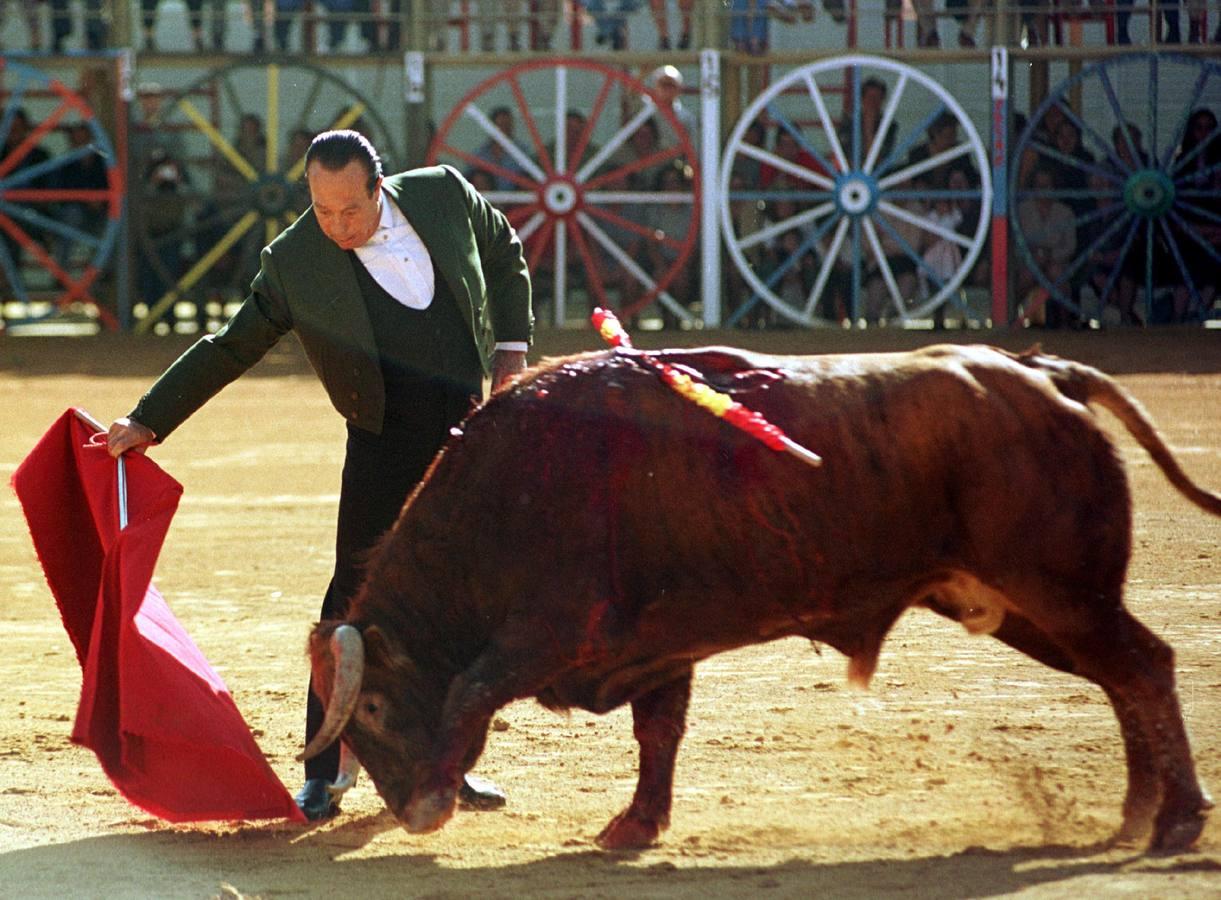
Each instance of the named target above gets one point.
<point>128,434</point>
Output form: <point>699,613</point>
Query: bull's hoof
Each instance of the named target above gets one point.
<point>429,812</point>
<point>1179,835</point>
<point>628,831</point>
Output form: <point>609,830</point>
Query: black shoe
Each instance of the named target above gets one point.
<point>480,794</point>
<point>315,800</point>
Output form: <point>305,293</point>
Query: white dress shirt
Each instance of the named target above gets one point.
<point>399,262</point>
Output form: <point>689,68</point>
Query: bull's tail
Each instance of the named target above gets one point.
<point>1086,384</point>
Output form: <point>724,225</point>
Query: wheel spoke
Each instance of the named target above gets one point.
<point>630,265</point>
<point>1209,247</point>
<point>888,115</point>
<point>778,228</point>
<point>587,133</point>
<point>1201,211</point>
<point>31,141</point>
<point>1153,135</point>
<point>1117,270</point>
<point>218,140</point>
<point>1100,241</point>
<point>645,162</point>
<point>560,274</point>
<point>610,146</point>
<point>271,160</point>
<point>1087,130</point>
<point>532,127</point>
<point>187,281</point>
<point>888,276</point>
<point>17,233</point>
<point>7,263</point>
<point>1076,163</point>
<point>924,165</point>
<point>824,271</point>
<point>349,117</point>
<point>47,223</point>
<point>784,165</point>
<point>1180,165</point>
<point>592,269</point>
<point>824,118</point>
<point>1188,281</point>
<point>562,150</point>
<point>626,224</point>
<point>527,164</point>
<point>541,243</point>
<point>1109,89</point>
<point>532,223</point>
<point>926,224</point>
<point>1196,92</point>
<point>796,135</point>
<point>31,173</point>
<point>478,162</point>
<point>914,255</point>
<point>909,140</point>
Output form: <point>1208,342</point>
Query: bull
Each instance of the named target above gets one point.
<point>588,536</point>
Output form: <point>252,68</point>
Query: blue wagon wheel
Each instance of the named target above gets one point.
<point>1144,189</point>
<point>39,198</point>
<point>237,194</point>
<point>849,217</point>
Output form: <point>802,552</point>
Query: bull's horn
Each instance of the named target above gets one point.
<point>349,771</point>
<point>348,655</point>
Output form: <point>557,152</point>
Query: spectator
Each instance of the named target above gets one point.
<point>943,136</point>
<point>747,216</point>
<point>1197,165</point>
<point>510,12</point>
<point>658,9</point>
<point>86,173</point>
<point>669,221</point>
<point>667,84</point>
<point>95,19</point>
<point>1050,229</point>
<point>500,164</point>
<point>749,25</point>
<point>966,13</point>
<point>163,183</point>
<point>873,99</point>
<point>32,23</point>
<point>149,133</point>
<point>610,20</point>
<point>641,144</point>
<point>788,146</point>
<point>148,22</point>
<point>294,154</point>
<point>575,127</point>
<point>382,33</point>
<point>899,242</point>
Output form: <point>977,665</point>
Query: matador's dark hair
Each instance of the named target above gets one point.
<point>335,149</point>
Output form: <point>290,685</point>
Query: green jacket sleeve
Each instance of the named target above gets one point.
<point>504,267</point>
<point>217,359</point>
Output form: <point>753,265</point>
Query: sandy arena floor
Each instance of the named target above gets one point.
<point>966,771</point>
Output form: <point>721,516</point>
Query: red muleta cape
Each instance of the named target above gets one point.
<point>160,720</point>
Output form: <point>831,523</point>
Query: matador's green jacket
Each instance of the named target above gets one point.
<point>306,284</point>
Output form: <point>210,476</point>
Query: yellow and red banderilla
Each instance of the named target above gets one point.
<point>719,404</point>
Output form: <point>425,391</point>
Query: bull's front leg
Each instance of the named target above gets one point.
<point>659,720</point>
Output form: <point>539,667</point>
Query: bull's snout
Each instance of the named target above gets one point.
<point>428,812</point>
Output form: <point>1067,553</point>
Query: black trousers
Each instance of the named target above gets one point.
<point>379,472</point>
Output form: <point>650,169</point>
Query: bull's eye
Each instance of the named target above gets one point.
<point>371,708</point>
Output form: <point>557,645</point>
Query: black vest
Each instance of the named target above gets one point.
<point>429,362</point>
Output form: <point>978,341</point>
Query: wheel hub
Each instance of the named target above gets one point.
<point>271,196</point>
<point>855,193</point>
<point>1149,193</point>
<point>560,196</point>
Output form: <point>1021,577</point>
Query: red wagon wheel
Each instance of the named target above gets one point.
<point>35,204</point>
<point>628,204</point>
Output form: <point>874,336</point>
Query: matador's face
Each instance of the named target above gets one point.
<point>347,211</point>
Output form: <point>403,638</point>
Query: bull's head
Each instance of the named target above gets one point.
<point>379,706</point>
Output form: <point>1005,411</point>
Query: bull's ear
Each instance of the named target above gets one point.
<point>377,645</point>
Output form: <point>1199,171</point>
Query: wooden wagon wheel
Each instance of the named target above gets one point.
<point>239,199</point>
<point>34,202</point>
<point>1145,194</point>
<point>576,191</point>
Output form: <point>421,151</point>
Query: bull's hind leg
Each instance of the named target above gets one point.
<point>1136,671</point>
<point>659,720</point>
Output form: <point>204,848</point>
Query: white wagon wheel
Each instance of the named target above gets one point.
<point>849,201</point>
<point>597,197</point>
